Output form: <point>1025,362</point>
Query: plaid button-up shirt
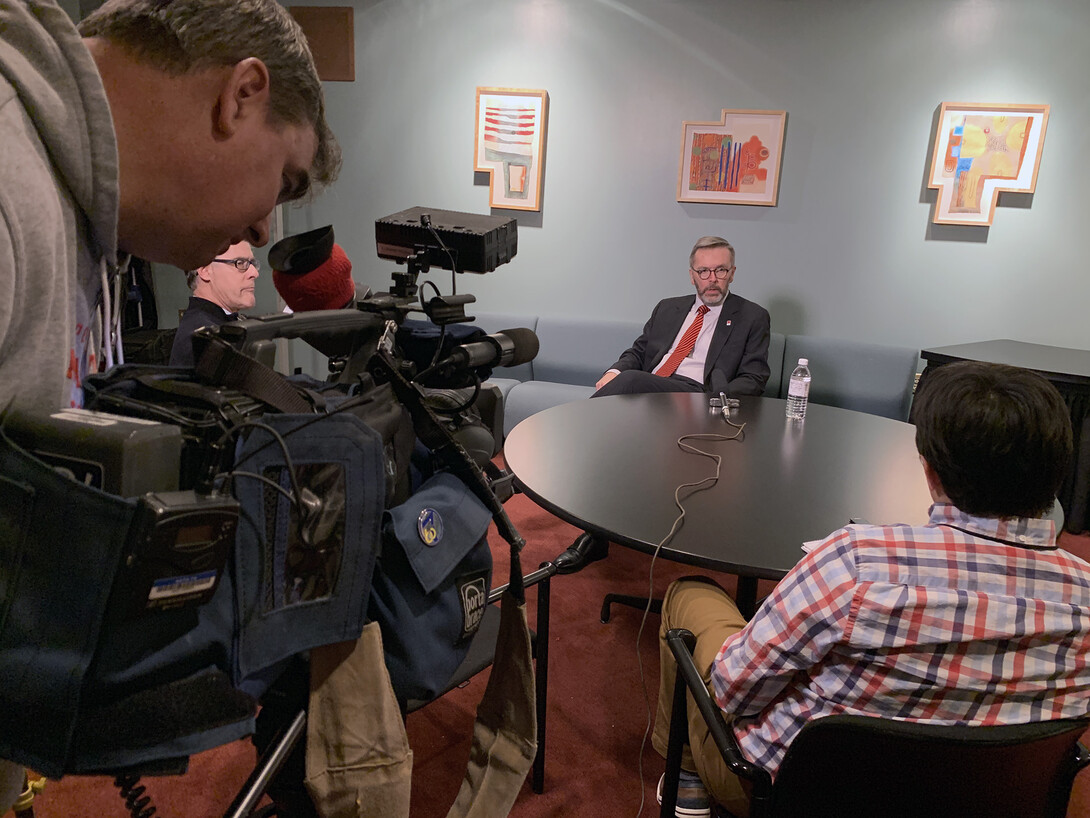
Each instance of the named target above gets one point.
<point>966,620</point>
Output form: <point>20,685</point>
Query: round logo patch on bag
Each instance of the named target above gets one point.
<point>429,525</point>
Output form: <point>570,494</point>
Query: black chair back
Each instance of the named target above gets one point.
<point>858,765</point>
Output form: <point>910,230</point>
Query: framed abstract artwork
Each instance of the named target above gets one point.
<point>510,145</point>
<point>981,150</point>
<point>733,161</point>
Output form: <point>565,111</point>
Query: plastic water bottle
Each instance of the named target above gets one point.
<point>798,390</point>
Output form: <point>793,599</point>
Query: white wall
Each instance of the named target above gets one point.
<point>848,252</point>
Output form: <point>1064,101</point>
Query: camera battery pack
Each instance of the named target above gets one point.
<point>176,551</point>
<point>124,456</point>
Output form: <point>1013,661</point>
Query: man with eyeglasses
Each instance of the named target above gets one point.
<point>716,342</point>
<point>221,289</point>
<point>118,139</point>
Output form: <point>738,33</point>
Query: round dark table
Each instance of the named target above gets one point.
<point>610,466</point>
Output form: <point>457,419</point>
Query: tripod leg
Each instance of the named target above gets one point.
<point>259,779</point>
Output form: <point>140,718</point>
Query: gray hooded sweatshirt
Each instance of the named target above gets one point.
<point>58,206</point>
<point>58,218</point>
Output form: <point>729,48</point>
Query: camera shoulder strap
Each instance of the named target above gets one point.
<point>220,363</point>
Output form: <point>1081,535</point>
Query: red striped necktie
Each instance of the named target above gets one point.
<point>684,346</point>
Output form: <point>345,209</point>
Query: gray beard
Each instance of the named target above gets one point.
<point>717,303</point>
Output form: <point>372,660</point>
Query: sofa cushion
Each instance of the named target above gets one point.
<point>503,384</point>
<point>865,377</point>
<point>529,398</point>
<point>579,350</point>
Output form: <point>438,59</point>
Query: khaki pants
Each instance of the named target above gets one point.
<point>358,759</point>
<point>12,784</point>
<point>701,606</point>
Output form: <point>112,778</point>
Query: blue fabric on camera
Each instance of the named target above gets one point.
<point>286,607</point>
<point>84,687</point>
<point>431,584</point>
<point>54,586</point>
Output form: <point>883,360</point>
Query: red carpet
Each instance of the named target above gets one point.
<point>596,720</point>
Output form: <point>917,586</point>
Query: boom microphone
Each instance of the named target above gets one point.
<point>509,347</point>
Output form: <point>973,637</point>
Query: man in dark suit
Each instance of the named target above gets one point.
<point>715,342</point>
<point>221,289</point>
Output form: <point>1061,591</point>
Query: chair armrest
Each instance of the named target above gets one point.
<point>1082,756</point>
<point>681,642</point>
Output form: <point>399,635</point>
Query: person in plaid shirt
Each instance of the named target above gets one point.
<point>975,618</point>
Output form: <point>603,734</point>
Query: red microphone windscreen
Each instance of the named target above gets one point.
<point>328,286</point>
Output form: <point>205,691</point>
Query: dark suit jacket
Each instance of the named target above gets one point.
<point>199,313</point>
<point>737,361</point>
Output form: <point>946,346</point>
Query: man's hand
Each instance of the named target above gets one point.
<point>602,381</point>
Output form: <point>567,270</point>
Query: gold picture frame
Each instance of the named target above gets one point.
<point>981,150</point>
<point>512,124</point>
<point>734,161</point>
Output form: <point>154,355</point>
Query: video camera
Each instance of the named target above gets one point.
<point>186,519</point>
<point>232,460</point>
<point>442,356</point>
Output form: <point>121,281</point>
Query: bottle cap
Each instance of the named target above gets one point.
<point>804,361</point>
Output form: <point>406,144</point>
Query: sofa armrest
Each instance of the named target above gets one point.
<point>872,378</point>
<point>529,398</point>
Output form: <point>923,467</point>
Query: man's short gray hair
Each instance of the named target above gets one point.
<point>191,279</point>
<point>705,242</point>
<point>179,36</point>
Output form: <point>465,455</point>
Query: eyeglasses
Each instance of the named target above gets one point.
<point>704,273</point>
<point>240,264</point>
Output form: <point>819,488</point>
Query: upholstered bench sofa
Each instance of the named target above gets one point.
<point>574,353</point>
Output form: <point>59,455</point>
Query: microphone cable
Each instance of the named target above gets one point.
<point>297,495</point>
<point>425,221</point>
<point>442,327</point>
<point>351,402</point>
<point>698,485</point>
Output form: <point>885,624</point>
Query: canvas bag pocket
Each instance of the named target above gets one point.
<point>431,584</point>
<point>60,548</point>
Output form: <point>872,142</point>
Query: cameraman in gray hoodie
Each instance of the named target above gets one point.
<point>113,138</point>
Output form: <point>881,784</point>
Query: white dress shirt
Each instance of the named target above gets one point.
<point>693,366</point>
